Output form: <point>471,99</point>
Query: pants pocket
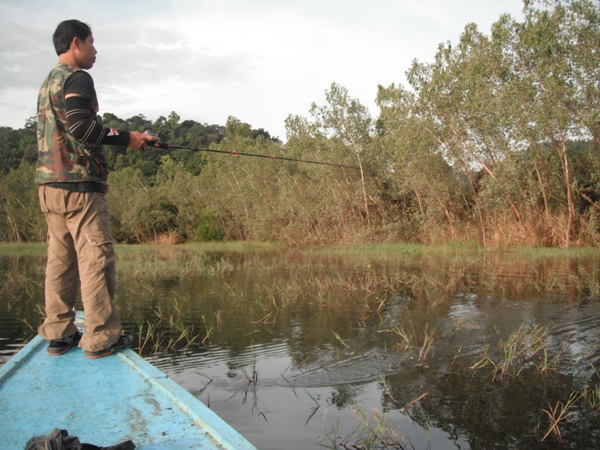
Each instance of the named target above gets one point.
<point>42,198</point>
<point>102,250</point>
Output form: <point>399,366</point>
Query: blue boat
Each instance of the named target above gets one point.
<point>104,402</point>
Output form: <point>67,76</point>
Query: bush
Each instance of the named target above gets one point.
<point>208,230</point>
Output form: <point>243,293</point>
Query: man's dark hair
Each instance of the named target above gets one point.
<point>68,30</point>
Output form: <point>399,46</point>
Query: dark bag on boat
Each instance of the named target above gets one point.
<point>60,440</point>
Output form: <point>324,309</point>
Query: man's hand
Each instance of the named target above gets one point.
<point>139,141</point>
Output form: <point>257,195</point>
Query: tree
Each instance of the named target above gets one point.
<point>20,217</point>
<point>557,74</point>
<point>415,176</point>
<point>346,120</point>
<point>10,154</point>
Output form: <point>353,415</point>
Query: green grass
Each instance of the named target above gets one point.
<point>29,249</point>
<point>401,250</point>
<point>231,247</point>
<point>358,251</point>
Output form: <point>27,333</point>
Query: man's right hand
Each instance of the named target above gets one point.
<point>139,141</point>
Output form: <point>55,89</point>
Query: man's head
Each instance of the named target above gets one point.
<point>65,33</point>
<point>74,38</point>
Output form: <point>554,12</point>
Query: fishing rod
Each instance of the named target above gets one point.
<point>166,146</point>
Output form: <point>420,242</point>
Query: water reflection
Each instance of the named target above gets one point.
<point>298,350</point>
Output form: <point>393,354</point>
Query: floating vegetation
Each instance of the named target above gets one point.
<point>164,335</point>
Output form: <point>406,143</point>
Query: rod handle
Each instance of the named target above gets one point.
<point>155,144</point>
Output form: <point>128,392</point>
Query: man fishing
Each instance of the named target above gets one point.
<point>72,178</point>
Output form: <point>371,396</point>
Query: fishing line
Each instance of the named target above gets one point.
<point>155,144</point>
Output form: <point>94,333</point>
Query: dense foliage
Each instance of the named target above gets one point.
<point>497,141</point>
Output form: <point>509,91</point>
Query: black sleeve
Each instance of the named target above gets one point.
<point>84,126</point>
<point>80,83</point>
<point>81,114</point>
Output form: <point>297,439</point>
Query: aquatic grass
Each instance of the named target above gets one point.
<point>427,345</point>
<point>164,334</point>
<point>148,262</point>
<point>314,409</point>
<point>432,273</point>
<point>269,319</point>
<point>376,268</point>
<point>326,300</point>
<point>156,339</point>
<point>510,353</point>
<point>269,299</point>
<point>406,339</point>
<point>593,286</point>
<point>463,253</point>
<point>385,387</point>
<point>209,331</point>
<point>321,288</point>
<point>28,325</point>
<point>375,432</point>
<point>234,293</point>
<point>267,303</point>
<point>18,285</point>
<point>186,335</point>
<point>339,339</point>
<point>287,292</point>
<point>178,301</point>
<point>548,363</point>
<point>524,346</point>
<point>592,394</point>
<point>146,334</point>
<point>415,342</point>
<point>504,273</point>
<point>559,412</point>
<point>253,378</point>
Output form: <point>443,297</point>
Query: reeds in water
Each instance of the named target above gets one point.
<point>528,344</point>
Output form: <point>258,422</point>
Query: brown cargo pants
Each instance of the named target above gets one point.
<point>80,250</point>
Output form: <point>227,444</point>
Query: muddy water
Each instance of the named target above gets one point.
<point>410,349</point>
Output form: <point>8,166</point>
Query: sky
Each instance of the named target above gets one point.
<point>259,61</point>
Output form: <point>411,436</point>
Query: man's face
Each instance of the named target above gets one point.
<point>85,52</point>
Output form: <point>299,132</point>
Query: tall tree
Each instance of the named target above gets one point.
<point>557,72</point>
<point>414,170</point>
<point>346,120</point>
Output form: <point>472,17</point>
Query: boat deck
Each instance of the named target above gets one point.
<point>104,402</point>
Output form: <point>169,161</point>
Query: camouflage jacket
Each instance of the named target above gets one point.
<point>61,157</point>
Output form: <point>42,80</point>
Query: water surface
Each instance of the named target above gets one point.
<point>405,349</point>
